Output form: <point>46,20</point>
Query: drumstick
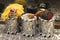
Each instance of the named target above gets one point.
<point>39,13</point>
<point>30,15</point>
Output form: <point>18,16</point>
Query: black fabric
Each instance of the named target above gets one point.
<point>31,10</point>
<point>2,6</point>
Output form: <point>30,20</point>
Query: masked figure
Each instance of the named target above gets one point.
<point>10,16</point>
<point>44,17</point>
<point>12,22</point>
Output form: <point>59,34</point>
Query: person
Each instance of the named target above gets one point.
<point>11,22</point>
<point>44,16</point>
<point>19,10</point>
<point>10,16</point>
<point>47,14</point>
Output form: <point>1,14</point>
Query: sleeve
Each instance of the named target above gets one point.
<point>50,15</point>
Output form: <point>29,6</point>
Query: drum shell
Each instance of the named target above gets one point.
<point>46,26</point>
<point>11,25</point>
<point>29,26</point>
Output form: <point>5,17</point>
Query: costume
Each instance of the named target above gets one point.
<point>19,10</point>
<point>44,16</point>
<point>10,16</point>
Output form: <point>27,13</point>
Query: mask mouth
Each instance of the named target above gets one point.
<point>12,10</point>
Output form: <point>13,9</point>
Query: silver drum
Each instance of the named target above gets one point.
<point>29,25</point>
<point>11,24</point>
<point>47,26</point>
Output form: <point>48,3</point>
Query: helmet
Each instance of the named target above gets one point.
<point>44,5</point>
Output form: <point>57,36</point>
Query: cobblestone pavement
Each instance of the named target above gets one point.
<point>20,37</point>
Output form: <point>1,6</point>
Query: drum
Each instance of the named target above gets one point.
<point>46,26</point>
<point>29,25</point>
<point>11,24</point>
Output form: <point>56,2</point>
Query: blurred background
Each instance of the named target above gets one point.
<point>54,3</point>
